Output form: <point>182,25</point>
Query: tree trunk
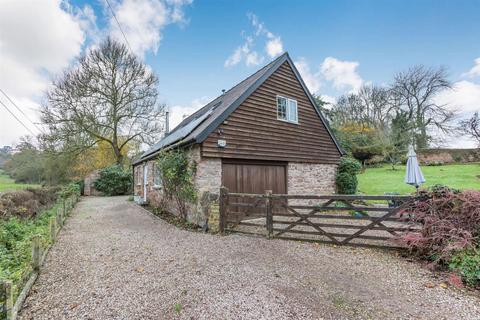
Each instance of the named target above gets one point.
<point>118,155</point>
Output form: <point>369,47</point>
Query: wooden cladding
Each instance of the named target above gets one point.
<point>254,132</point>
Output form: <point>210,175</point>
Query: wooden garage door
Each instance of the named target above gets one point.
<point>253,177</point>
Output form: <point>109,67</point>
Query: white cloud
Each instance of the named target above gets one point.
<point>180,112</point>
<point>464,97</point>
<point>329,99</point>
<point>247,52</point>
<point>244,53</point>
<point>37,39</point>
<point>274,47</point>
<point>143,21</point>
<point>311,79</point>
<point>343,74</point>
<point>475,70</point>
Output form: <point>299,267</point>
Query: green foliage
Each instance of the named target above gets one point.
<point>16,234</point>
<point>467,264</point>
<point>16,245</point>
<point>177,307</point>
<point>396,141</point>
<point>177,173</point>
<point>26,166</point>
<point>346,179</point>
<point>114,181</point>
<point>73,188</point>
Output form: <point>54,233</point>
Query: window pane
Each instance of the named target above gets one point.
<point>157,178</point>
<point>282,108</point>
<point>292,111</point>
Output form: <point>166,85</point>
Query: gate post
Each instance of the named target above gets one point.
<point>269,218</point>
<point>223,212</point>
<point>6,297</point>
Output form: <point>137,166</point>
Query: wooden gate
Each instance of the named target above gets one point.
<point>337,219</point>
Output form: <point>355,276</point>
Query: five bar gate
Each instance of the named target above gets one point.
<point>338,219</point>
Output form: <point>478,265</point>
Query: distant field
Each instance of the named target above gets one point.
<point>384,179</point>
<point>6,183</point>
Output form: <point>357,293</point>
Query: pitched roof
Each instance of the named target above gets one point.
<point>197,127</point>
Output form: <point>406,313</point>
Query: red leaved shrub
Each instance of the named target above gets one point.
<point>450,222</point>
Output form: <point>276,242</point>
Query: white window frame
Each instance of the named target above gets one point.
<point>288,100</point>
<point>138,175</point>
<point>156,171</point>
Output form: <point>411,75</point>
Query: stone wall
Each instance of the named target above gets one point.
<point>440,156</point>
<point>207,181</point>
<point>89,189</point>
<point>311,178</point>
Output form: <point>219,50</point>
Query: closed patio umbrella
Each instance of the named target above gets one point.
<point>413,174</point>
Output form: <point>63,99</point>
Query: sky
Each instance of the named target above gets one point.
<point>197,48</point>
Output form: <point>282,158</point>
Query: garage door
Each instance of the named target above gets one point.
<point>253,177</point>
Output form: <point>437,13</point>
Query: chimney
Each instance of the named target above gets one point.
<point>167,127</point>
<point>223,91</point>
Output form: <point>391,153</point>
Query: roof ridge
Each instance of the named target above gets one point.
<point>189,118</point>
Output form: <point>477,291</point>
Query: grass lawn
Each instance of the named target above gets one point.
<point>6,183</point>
<point>377,181</point>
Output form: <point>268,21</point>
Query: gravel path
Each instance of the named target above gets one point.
<point>115,261</point>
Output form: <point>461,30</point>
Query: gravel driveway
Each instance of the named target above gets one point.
<point>115,261</point>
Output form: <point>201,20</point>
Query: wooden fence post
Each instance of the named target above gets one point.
<point>53,229</point>
<point>58,219</point>
<point>269,218</point>
<point>6,297</point>
<point>64,208</point>
<point>223,208</point>
<point>60,214</point>
<point>36,252</point>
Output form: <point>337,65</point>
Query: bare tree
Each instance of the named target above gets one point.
<point>110,95</point>
<point>471,127</point>
<point>416,90</point>
<point>370,107</point>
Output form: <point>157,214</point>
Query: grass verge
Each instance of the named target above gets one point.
<point>7,183</point>
<point>377,181</point>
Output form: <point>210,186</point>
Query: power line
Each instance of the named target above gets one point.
<point>23,124</point>
<point>119,26</point>
<point>26,117</point>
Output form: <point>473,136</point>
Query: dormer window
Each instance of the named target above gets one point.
<point>287,109</point>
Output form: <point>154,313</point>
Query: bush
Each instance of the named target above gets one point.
<point>467,264</point>
<point>450,223</point>
<point>346,179</point>
<point>177,172</point>
<point>16,245</point>
<point>114,181</point>
<point>73,188</point>
<point>26,203</point>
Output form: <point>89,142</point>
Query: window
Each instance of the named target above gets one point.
<point>138,175</point>
<point>287,109</point>
<point>157,178</point>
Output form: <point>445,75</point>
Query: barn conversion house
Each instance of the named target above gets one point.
<point>265,133</point>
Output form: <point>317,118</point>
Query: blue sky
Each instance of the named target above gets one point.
<point>191,45</point>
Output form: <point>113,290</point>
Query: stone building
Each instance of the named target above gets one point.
<point>265,133</point>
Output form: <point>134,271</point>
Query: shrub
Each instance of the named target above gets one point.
<point>114,181</point>
<point>467,264</point>
<point>346,179</point>
<point>177,173</point>
<point>26,203</point>
<point>69,190</point>
<point>450,223</point>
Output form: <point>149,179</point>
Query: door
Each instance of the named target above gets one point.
<point>253,177</point>
<point>145,182</point>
